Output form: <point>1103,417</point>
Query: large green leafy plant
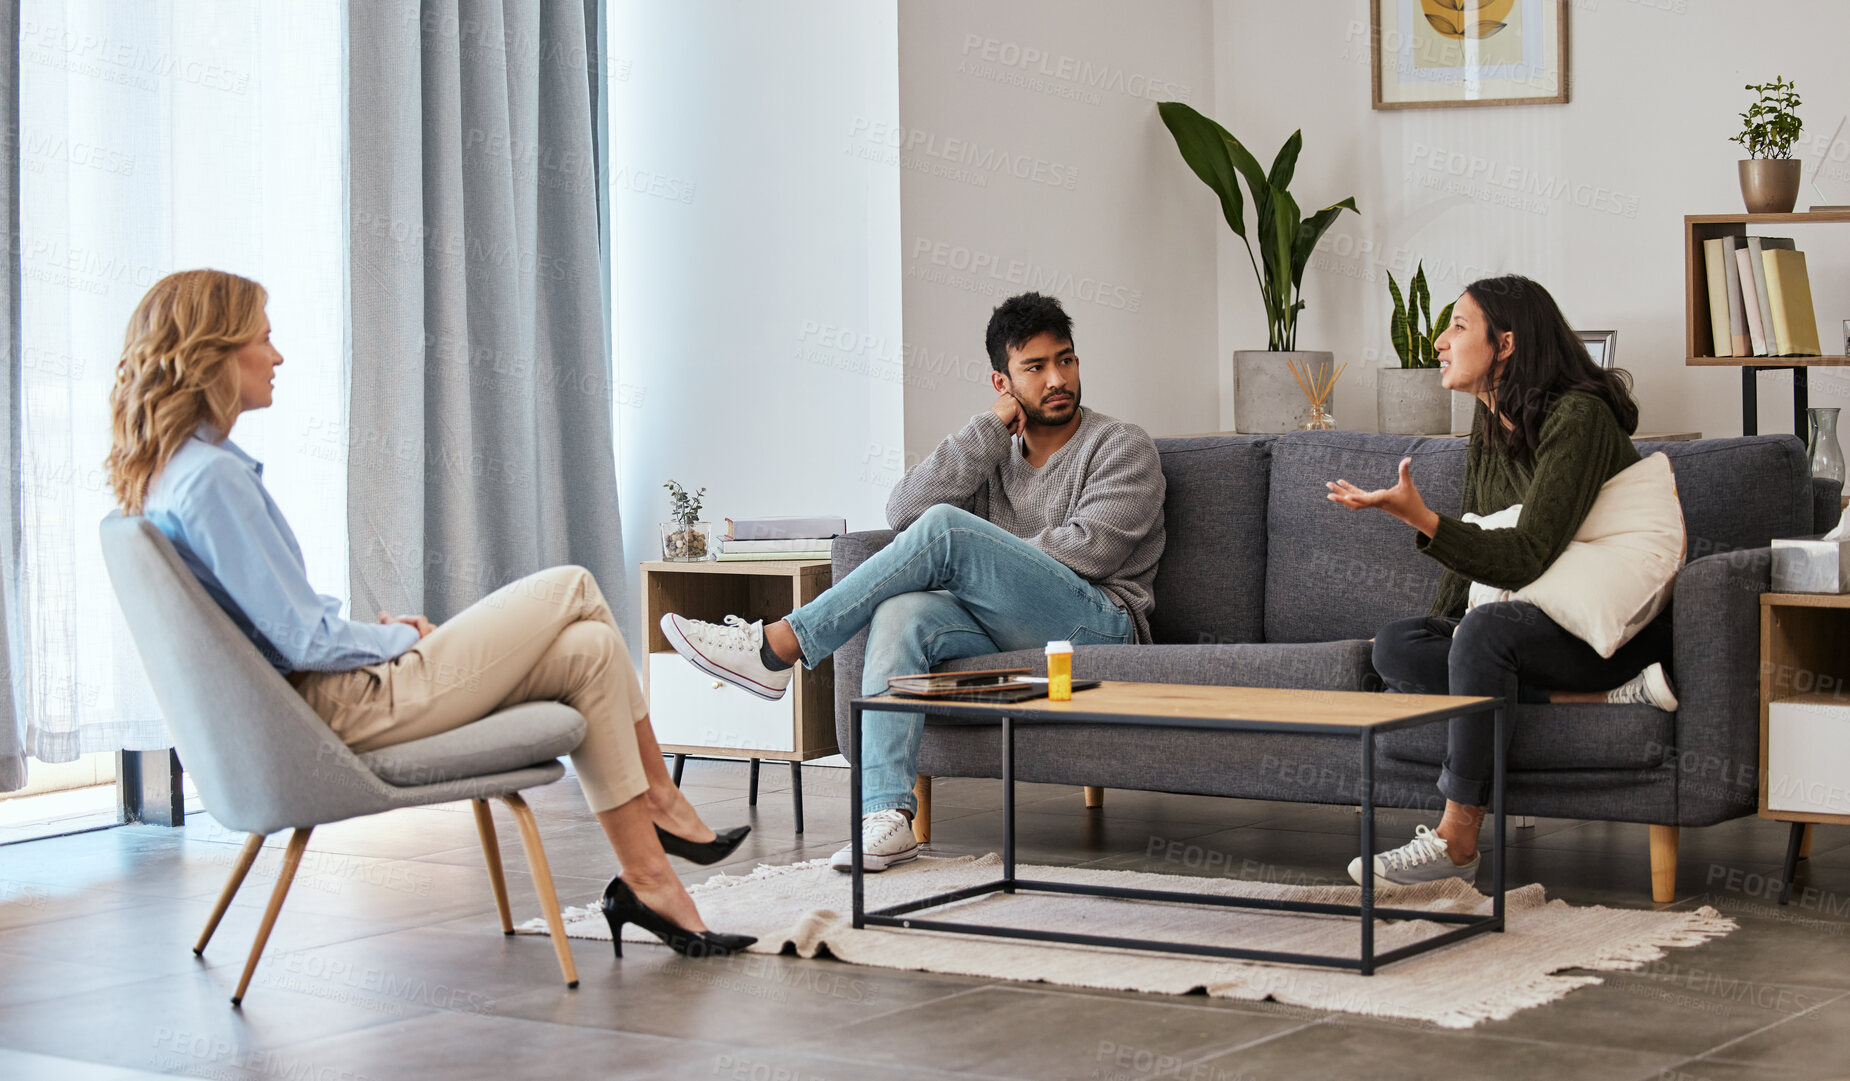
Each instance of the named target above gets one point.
<point>1286,238</point>
<point>1413,342</point>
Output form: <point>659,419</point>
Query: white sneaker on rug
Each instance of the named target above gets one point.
<point>728,651</point>
<point>886,839</point>
<point>1423,859</point>
<point>1650,687</point>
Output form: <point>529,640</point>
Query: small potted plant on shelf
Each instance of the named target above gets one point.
<point>687,539</point>
<point>1266,395</point>
<point>1769,127</point>
<point>1409,399</point>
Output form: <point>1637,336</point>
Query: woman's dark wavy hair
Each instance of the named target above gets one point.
<point>1547,360</point>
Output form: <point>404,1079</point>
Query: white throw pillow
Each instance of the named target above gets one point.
<point>1617,573</point>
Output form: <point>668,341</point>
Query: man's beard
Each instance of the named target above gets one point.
<point>1065,412</point>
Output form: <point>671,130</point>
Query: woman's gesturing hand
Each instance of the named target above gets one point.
<point>1402,500</point>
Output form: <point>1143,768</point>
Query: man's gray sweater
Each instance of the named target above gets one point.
<point>1096,506</point>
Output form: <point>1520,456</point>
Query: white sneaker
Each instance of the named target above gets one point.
<point>1650,687</point>
<point>1423,859</point>
<point>886,839</point>
<point>729,651</point>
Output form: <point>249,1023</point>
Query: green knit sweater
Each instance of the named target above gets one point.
<point>1582,447</point>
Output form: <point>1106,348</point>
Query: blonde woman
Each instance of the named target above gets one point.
<point>197,356</point>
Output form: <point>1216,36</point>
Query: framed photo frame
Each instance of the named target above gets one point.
<point>1601,345</point>
<point>1434,54</point>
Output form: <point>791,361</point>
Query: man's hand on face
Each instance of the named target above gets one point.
<point>1008,411</point>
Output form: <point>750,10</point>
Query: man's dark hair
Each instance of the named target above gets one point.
<point>1020,319</point>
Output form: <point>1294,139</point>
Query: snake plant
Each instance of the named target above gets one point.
<point>1411,341</point>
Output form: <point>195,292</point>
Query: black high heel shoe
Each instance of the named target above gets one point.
<point>721,846</point>
<point>621,906</point>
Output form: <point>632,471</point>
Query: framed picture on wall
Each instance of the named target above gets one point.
<point>1431,54</point>
<point>1601,345</point>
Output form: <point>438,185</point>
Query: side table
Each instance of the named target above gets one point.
<point>695,714</point>
<point>1804,717</point>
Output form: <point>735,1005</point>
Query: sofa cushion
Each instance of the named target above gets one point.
<point>1577,736</point>
<point>1740,493</point>
<point>1323,666</point>
<point>1210,584</point>
<point>1332,572</point>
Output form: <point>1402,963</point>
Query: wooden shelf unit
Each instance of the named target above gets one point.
<point>1804,645</point>
<point>1699,339</point>
<point>711,590</point>
<point>768,590</point>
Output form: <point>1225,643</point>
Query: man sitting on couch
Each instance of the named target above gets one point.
<point>1040,521</point>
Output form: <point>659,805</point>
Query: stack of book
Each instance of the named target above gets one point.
<point>779,538</point>
<point>1759,298</point>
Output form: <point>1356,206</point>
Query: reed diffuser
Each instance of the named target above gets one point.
<point>1318,391</point>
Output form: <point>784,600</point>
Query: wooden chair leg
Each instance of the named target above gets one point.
<point>292,858</point>
<point>1664,863</point>
<point>245,858</point>
<point>491,851</point>
<point>542,884</point>
<point>921,821</point>
<point>1095,796</point>
<point>1805,843</point>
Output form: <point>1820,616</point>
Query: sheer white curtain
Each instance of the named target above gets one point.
<point>157,137</point>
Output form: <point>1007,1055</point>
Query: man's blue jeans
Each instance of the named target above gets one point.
<point>950,585</point>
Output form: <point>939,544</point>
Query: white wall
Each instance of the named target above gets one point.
<point>1656,93</point>
<point>747,244</point>
<point>1030,156</point>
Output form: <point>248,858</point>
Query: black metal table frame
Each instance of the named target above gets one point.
<point>1366,963</point>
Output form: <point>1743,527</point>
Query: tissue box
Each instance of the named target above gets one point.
<point>1811,565</point>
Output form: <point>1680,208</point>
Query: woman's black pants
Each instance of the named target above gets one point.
<point>1509,649</point>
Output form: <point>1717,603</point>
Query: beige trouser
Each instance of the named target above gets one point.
<point>548,637</point>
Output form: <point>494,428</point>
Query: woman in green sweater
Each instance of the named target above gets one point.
<point>1552,427</point>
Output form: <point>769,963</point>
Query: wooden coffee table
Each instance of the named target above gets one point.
<point>1336,714</point>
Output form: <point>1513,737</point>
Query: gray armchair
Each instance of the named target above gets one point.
<point>264,761</point>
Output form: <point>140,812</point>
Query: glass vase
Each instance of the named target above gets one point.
<point>687,542</point>
<point>1822,449</point>
<point>1320,419</point>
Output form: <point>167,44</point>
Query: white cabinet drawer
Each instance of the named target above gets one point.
<point>692,709</point>
<point>1808,755</point>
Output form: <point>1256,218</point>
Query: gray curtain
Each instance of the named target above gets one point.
<point>12,724</point>
<point>480,439</point>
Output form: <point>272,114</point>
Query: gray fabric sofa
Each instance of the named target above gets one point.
<point>1266,583</point>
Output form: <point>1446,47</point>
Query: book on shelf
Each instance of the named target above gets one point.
<point>1737,303</point>
<point>791,544</point>
<point>1756,245</point>
<point>760,557</point>
<point>1750,299</point>
<point>1795,324</point>
<point>792,528</point>
<point>1715,253</point>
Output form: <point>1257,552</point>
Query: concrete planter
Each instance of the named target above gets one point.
<point>1266,398</point>
<point>1410,401</point>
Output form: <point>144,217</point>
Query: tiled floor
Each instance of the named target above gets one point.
<point>388,962</point>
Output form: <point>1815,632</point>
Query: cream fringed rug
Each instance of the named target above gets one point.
<point>1484,978</point>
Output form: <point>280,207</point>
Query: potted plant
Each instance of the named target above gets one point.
<point>1266,398</point>
<point>687,538</point>
<point>1769,127</point>
<point>1409,399</point>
